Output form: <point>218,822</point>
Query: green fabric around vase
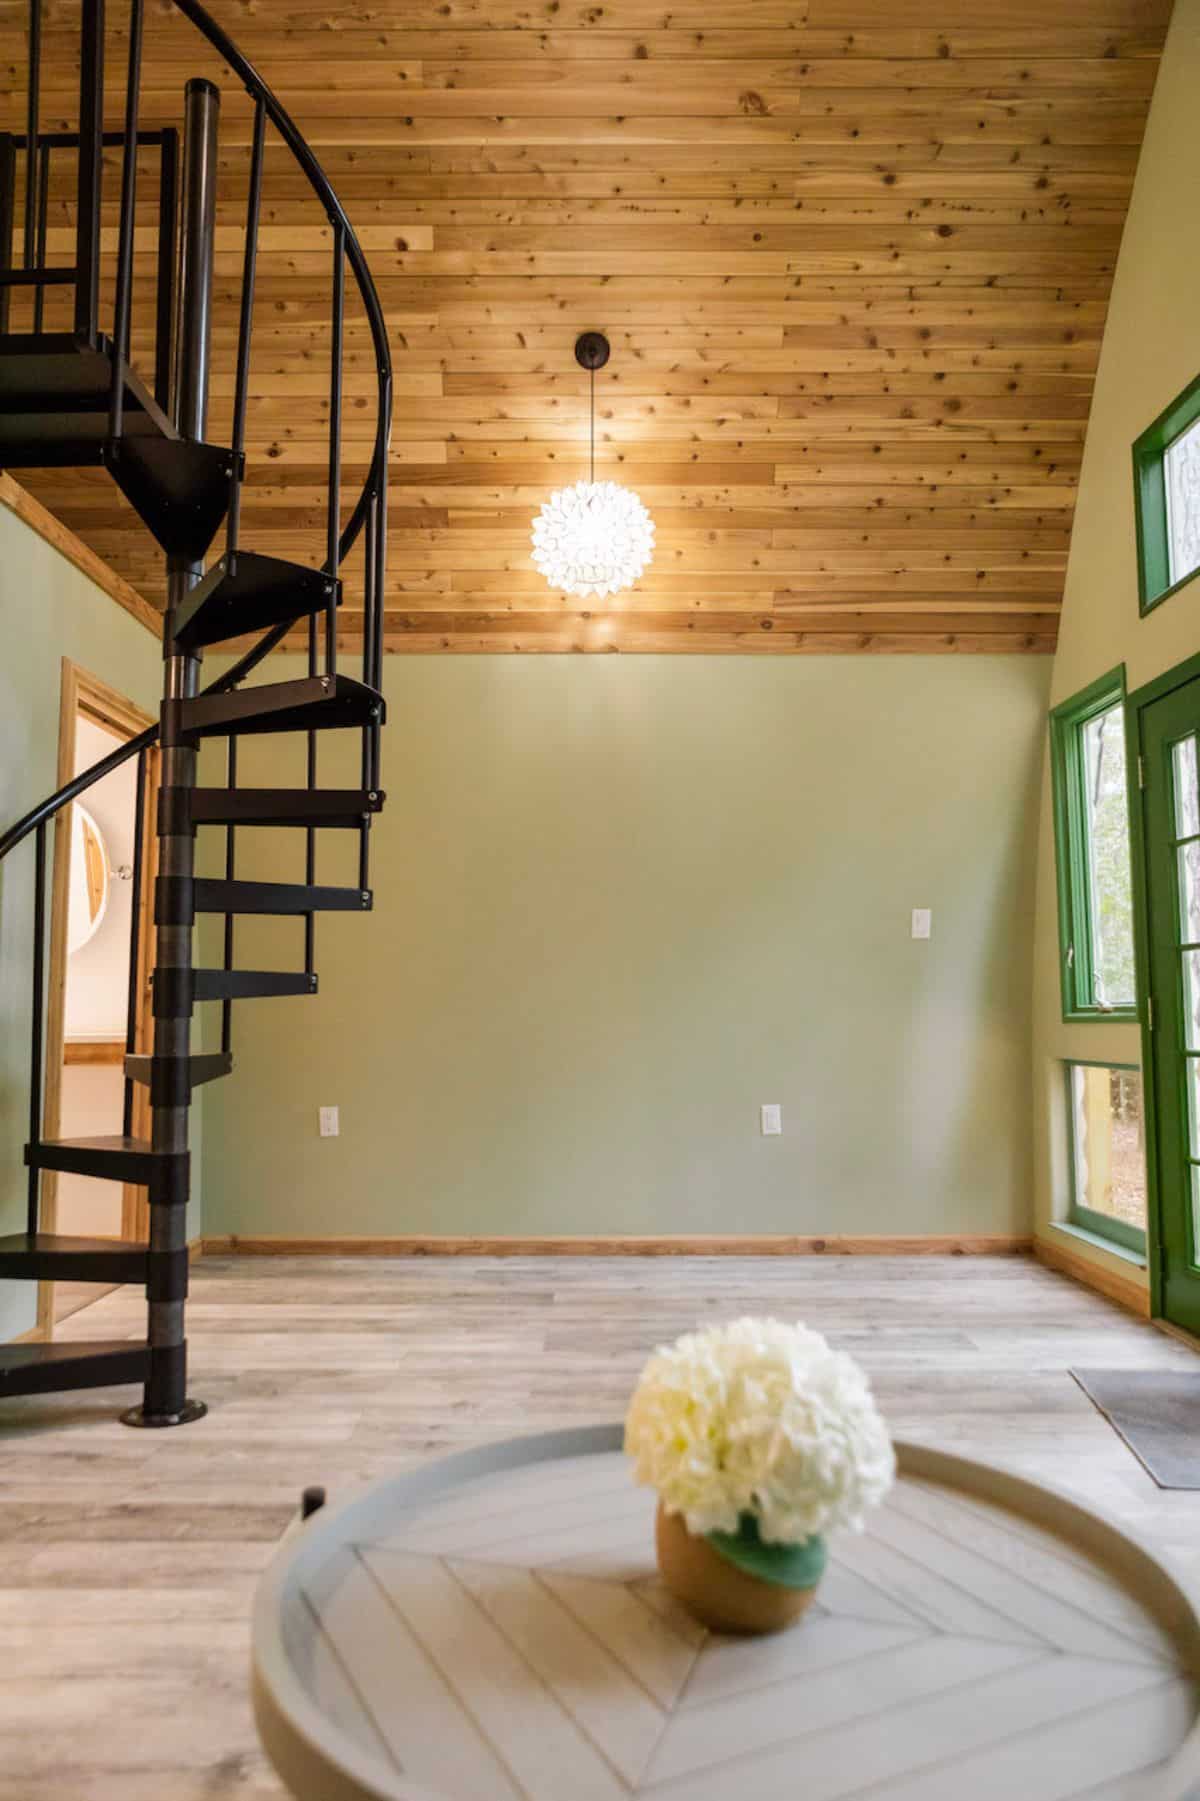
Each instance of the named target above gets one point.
<point>787,1566</point>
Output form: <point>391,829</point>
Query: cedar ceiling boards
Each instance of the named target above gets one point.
<point>853,256</point>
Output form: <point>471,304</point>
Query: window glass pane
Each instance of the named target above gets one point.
<point>1107,827</point>
<point>1109,1158</point>
<point>1191,1000</point>
<point>1193,1095</point>
<point>1187,799</point>
<point>1189,891</point>
<point>1181,472</point>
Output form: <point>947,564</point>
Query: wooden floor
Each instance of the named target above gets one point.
<point>128,1559</point>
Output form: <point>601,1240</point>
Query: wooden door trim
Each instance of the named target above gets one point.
<point>82,692</point>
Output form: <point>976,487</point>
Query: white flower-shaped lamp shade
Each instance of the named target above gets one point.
<point>593,538</point>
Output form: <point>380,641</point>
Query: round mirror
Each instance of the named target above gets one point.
<point>89,879</point>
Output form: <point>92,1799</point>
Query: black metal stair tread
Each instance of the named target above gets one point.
<point>112,1158</point>
<point>277,897</point>
<point>205,1066</point>
<point>64,440</point>
<point>55,391</point>
<point>180,489</point>
<point>329,807</point>
<point>52,1255</point>
<point>28,1369</point>
<point>248,593</point>
<point>249,984</point>
<point>56,372</point>
<point>313,704</point>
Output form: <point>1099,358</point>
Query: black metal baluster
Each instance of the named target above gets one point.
<point>371,546</point>
<point>32,113</point>
<point>125,230</point>
<point>35,1051</point>
<point>364,853</point>
<point>335,443</point>
<point>245,325</point>
<point>135,939</point>
<point>91,122</point>
<point>43,209</point>
<point>369,731</point>
<point>230,872</point>
<point>379,603</point>
<point>8,187</point>
<point>164,324</point>
<point>310,865</point>
<point>310,834</point>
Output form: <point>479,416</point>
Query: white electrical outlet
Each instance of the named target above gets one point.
<point>922,922</point>
<point>330,1126</point>
<point>772,1119</point>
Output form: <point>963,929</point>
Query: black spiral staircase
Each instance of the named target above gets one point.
<point>69,397</point>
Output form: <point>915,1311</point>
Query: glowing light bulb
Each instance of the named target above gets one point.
<point>593,538</point>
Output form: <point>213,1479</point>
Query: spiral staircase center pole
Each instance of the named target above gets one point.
<point>165,1400</point>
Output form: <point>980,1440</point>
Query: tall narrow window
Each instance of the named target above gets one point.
<point>1108,1157</point>
<point>1166,470</point>
<point>1181,468</point>
<point>1091,818</point>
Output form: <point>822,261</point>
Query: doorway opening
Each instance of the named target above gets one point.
<point>93,912</point>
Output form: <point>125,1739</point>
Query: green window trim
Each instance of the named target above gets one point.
<point>1101,1225</point>
<point>1150,500</point>
<point>1069,781</point>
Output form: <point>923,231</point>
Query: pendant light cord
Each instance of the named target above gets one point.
<point>592,412</point>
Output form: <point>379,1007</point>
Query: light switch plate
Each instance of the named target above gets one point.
<point>330,1124</point>
<point>772,1120</point>
<point>922,922</point>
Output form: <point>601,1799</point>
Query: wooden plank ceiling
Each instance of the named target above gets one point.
<point>854,269</point>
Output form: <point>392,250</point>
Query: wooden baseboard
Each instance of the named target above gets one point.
<point>1126,1291</point>
<point>92,1051</point>
<point>1178,1332</point>
<point>762,1245</point>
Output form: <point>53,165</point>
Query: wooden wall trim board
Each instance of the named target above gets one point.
<point>760,1245</point>
<point>94,1051</point>
<point>854,265</point>
<point>32,513</point>
<point>1125,1290</point>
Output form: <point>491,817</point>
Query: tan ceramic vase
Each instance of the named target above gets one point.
<point>717,1593</point>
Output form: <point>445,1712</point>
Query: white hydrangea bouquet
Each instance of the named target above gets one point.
<point>759,1439</point>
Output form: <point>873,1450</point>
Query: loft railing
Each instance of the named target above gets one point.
<point>34,149</point>
<point>369,513</point>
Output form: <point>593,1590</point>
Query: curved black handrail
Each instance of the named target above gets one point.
<point>283,122</point>
<point>46,809</point>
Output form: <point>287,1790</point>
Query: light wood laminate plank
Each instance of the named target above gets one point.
<point>339,1370</point>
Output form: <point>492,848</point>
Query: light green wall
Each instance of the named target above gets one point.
<point>1150,352</point>
<point>48,611</point>
<point>622,902</point>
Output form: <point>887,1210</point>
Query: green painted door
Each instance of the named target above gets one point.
<point>1171,811</point>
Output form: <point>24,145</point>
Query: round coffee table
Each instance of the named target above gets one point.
<point>491,1628</point>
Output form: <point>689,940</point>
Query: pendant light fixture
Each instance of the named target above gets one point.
<point>593,537</point>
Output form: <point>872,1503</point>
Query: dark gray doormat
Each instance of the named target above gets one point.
<point>1157,1413</point>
